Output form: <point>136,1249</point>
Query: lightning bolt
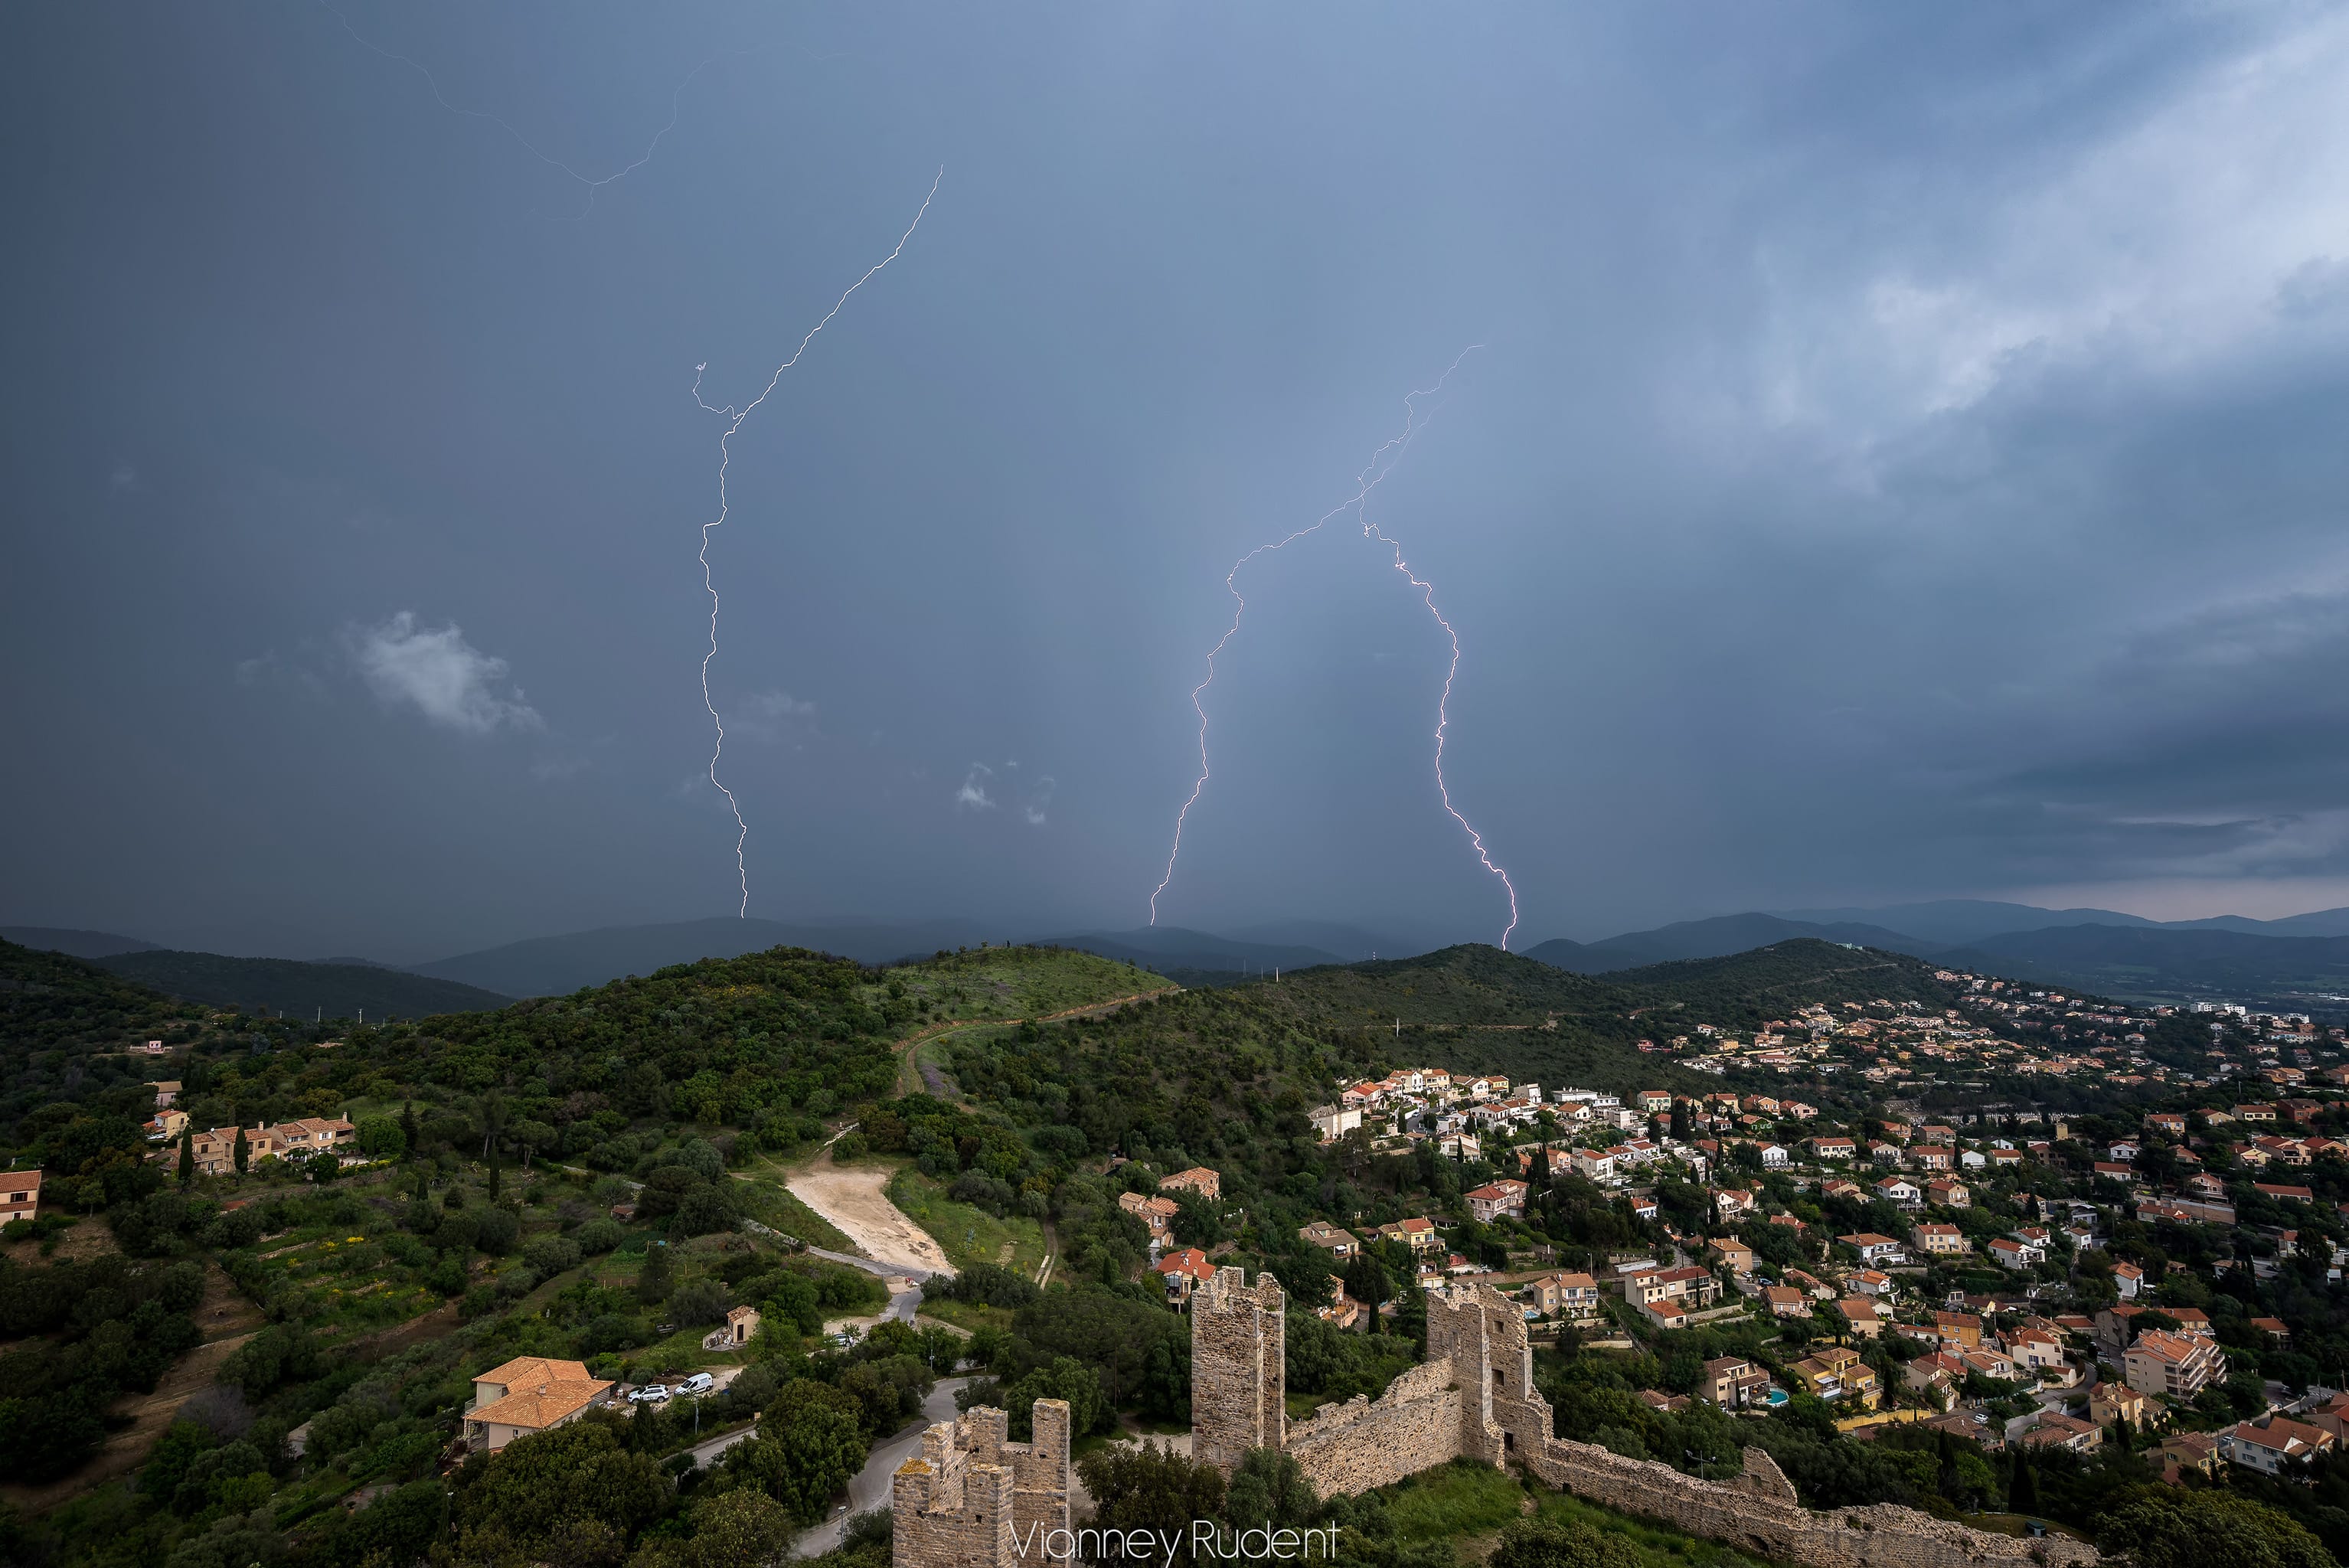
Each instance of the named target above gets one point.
<point>725,457</point>
<point>1444,703</point>
<point>594,187</point>
<point>1381,463</point>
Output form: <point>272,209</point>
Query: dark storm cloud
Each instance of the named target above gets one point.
<point>1905,461</point>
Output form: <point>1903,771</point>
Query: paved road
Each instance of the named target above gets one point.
<point>870,1489</point>
<point>703,1453</point>
<point>905,1303</point>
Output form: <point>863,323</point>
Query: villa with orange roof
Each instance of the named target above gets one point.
<point>529,1394</point>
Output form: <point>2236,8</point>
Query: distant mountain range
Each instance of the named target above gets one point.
<point>73,943</point>
<point>1959,921</point>
<point>2303,959</point>
<point>1197,957</point>
<point>300,990</point>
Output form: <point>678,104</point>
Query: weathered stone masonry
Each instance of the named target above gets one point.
<point>960,1504</point>
<point>1239,1382</point>
<point>973,1499</point>
<point>1475,1396</point>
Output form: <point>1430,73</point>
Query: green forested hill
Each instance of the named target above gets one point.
<point>1212,1071</point>
<point>1478,1009</point>
<point>1748,988</point>
<point>49,1001</point>
<point>62,1025</point>
<point>376,1293</point>
<point>286,985</point>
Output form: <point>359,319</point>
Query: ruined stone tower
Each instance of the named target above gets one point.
<point>1481,1334</point>
<point>972,1500</point>
<point>1238,1382</point>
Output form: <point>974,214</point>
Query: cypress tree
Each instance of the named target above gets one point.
<point>2022,1491</point>
<point>652,1280</point>
<point>408,1126</point>
<point>187,1157</point>
<point>241,1153</point>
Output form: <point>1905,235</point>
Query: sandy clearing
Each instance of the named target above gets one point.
<point>853,1199</point>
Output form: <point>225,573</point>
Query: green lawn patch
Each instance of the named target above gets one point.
<point>1016,983</point>
<point>1660,1545</point>
<point>969,1235</point>
<point>1470,1503</point>
<point>967,1314</point>
<point>766,1200</point>
<point>1453,1500</point>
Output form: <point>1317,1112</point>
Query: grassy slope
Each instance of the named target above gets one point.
<point>1010,983</point>
<point>969,1235</point>
<point>766,1200</point>
<point>994,987</point>
<point>1469,1505</point>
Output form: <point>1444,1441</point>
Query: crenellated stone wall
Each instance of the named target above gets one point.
<point>971,1496</point>
<point>972,1499</point>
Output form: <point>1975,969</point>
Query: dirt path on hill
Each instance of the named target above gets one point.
<point>910,1082</point>
<point>226,1319</point>
<point>854,1200</point>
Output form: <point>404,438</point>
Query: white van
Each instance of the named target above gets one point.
<point>697,1384</point>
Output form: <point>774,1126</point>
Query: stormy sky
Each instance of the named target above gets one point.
<point>1903,456</point>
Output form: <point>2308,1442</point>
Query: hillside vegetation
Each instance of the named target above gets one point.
<point>1477,1008</point>
<point>569,1177</point>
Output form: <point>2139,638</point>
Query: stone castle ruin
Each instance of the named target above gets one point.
<point>960,1504</point>
<point>974,1497</point>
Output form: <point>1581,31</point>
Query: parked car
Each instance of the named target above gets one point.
<point>697,1384</point>
<point>650,1394</point>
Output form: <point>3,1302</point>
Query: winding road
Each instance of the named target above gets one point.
<point>870,1487</point>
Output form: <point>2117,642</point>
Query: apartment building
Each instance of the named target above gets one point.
<point>2179,1366</point>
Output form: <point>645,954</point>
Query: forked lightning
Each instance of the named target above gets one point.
<point>725,455</point>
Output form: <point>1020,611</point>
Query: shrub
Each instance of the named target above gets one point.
<point>236,1228</point>
<point>978,1188</point>
<point>705,1212</point>
<point>1551,1543</point>
<point>551,1255</point>
<point>494,1229</point>
<point>985,1285</point>
<point>598,1237</point>
<point>698,1156</point>
<point>699,1303</point>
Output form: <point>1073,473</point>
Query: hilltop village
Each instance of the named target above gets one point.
<point>1954,1258</point>
<point>2001,1271</point>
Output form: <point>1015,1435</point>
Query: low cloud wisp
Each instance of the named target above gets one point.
<point>441,676</point>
